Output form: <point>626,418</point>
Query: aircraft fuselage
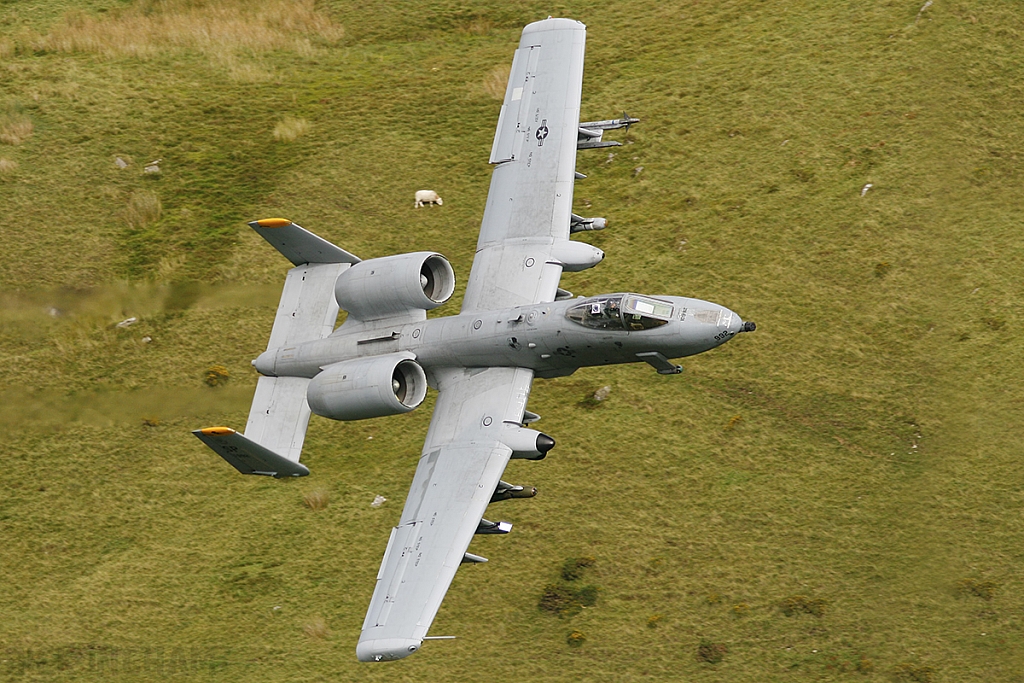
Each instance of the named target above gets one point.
<point>539,336</point>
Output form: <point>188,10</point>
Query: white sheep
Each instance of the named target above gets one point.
<point>424,197</point>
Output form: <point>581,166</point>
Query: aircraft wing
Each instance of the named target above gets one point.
<point>526,221</point>
<point>458,472</point>
<point>523,246</point>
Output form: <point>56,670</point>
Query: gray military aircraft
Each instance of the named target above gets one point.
<point>515,324</point>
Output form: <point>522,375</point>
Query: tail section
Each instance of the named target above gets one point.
<point>248,457</point>
<point>299,245</point>
<point>308,311</point>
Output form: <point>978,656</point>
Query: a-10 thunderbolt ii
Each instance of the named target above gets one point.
<point>515,324</point>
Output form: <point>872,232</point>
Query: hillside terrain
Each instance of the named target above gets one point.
<point>838,496</point>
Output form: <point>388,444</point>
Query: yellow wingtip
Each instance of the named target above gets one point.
<point>273,222</point>
<point>217,431</point>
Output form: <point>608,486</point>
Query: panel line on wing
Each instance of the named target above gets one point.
<point>404,534</point>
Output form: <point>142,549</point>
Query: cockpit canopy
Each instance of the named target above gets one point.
<point>632,312</point>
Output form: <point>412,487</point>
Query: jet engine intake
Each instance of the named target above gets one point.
<point>368,387</point>
<point>395,285</point>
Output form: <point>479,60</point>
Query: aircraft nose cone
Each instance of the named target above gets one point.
<point>730,322</point>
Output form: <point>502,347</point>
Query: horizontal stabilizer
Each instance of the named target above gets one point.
<point>248,457</point>
<point>299,245</point>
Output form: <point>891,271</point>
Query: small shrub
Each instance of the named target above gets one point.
<point>316,628</point>
<point>290,128</point>
<point>217,375</point>
<point>816,607</point>
<point>565,598</point>
<point>558,599</point>
<point>317,499</point>
<point>586,595</point>
<point>914,673</point>
<point>654,620</point>
<point>865,665</point>
<point>151,421</point>
<point>572,568</point>
<point>985,590</point>
<point>576,638</point>
<point>882,268</point>
<point>798,604</point>
<point>562,600</point>
<point>709,652</point>
<point>792,605</point>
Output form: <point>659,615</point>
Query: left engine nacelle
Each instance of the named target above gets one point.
<point>393,285</point>
<point>368,387</point>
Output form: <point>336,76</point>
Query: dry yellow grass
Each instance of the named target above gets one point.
<point>317,499</point>
<point>15,129</point>
<point>7,166</point>
<point>317,628</point>
<point>213,28</point>
<point>497,81</point>
<point>289,128</point>
<point>247,72</point>
<point>143,209</point>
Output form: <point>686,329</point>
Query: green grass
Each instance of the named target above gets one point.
<point>874,470</point>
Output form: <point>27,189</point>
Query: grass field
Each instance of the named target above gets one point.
<point>836,497</point>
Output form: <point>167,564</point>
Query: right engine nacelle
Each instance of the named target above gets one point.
<point>368,387</point>
<point>395,285</point>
